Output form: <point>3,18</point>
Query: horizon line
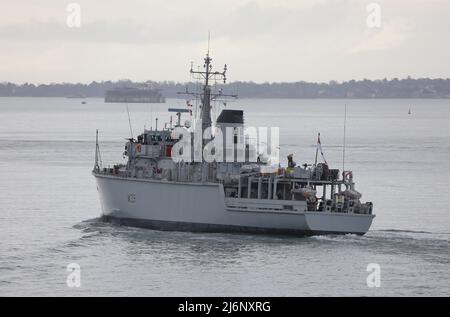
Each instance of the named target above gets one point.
<point>331,81</point>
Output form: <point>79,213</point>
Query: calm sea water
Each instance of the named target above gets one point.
<point>49,206</point>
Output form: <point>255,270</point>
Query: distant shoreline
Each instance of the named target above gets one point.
<point>423,88</point>
<point>244,98</point>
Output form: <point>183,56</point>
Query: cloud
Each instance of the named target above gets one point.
<point>389,36</point>
<point>246,21</point>
<point>122,31</point>
<point>261,40</point>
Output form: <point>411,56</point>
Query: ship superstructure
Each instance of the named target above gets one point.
<point>170,187</point>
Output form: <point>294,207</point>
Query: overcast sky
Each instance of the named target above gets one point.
<point>260,40</point>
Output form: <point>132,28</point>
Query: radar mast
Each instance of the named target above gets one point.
<point>206,96</point>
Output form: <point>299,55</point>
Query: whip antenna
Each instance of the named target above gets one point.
<point>343,147</point>
<point>129,122</point>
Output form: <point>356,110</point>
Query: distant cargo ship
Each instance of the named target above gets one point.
<point>135,95</point>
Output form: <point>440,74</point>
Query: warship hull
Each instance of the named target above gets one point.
<point>203,207</point>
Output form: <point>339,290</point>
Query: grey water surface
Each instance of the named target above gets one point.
<point>49,208</point>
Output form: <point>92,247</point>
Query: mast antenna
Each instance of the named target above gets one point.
<point>208,96</point>
<point>209,38</point>
<point>98,157</point>
<point>96,167</point>
<point>317,149</point>
<point>343,147</point>
<point>129,122</point>
<point>151,117</point>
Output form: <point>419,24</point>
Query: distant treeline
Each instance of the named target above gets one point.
<point>395,88</point>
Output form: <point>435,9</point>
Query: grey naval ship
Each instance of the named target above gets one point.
<point>157,191</point>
